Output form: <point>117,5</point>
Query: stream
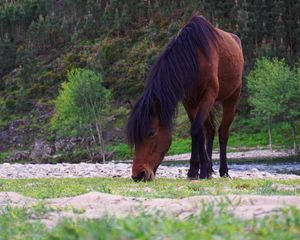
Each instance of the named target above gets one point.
<point>283,165</point>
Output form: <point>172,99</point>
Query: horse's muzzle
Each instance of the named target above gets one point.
<point>143,176</point>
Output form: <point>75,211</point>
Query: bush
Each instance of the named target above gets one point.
<point>275,94</point>
<point>81,107</point>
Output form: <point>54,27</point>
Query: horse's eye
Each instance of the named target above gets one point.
<point>151,133</point>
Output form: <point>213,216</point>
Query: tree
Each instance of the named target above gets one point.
<point>275,94</point>
<point>81,107</point>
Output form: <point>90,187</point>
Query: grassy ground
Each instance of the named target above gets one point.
<point>159,188</point>
<point>209,224</point>
<point>236,141</point>
<point>245,133</point>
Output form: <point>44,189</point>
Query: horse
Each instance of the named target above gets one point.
<point>201,66</point>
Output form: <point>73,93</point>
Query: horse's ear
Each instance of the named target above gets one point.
<point>130,104</point>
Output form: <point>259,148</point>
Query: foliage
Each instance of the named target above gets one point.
<point>52,32</point>
<point>7,57</point>
<point>82,100</point>
<point>274,92</point>
<point>82,106</point>
<point>248,135</point>
<point>40,41</point>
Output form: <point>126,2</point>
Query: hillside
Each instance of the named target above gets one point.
<point>40,41</point>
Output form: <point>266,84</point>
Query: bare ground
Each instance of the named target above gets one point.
<point>96,205</point>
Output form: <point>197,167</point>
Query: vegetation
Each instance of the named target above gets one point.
<point>245,134</point>
<point>82,107</point>
<point>41,41</point>
<point>275,94</point>
<point>209,224</point>
<point>160,188</point>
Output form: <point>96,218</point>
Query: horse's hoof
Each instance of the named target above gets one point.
<point>193,174</point>
<point>193,178</point>
<point>204,176</point>
<point>211,172</point>
<point>224,175</point>
<point>206,173</point>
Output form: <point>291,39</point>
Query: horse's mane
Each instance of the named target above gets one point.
<point>172,75</point>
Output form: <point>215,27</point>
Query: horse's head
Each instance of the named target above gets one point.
<point>150,152</point>
<point>150,146</point>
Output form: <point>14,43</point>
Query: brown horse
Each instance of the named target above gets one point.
<point>200,66</point>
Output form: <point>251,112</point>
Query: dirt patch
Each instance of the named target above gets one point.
<point>97,205</point>
<point>15,200</point>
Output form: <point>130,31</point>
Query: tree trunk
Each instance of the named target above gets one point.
<point>294,137</point>
<point>90,152</point>
<point>101,142</point>
<point>270,138</point>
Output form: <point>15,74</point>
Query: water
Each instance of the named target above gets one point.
<point>287,165</point>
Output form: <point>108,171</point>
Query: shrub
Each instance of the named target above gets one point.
<point>81,107</point>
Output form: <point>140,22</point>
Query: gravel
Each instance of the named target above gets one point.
<point>114,170</point>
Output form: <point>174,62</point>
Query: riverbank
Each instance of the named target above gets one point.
<point>235,154</point>
<point>123,170</point>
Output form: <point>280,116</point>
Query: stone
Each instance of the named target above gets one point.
<point>42,150</point>
<point>19,156</point>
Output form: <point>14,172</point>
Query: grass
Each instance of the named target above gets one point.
<point>3,156</point>
<point>159,188</point>
<point>237,140</point>
<point>245,133</point>
<point>211,223</point>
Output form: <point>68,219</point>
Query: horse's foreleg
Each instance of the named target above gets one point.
<point>198,148</point>
<point>193,172</point>
<point>199,157</point>
<point>229,108</point>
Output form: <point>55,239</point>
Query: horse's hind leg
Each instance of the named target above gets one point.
<point>229,108</point>
<point>210,135</point>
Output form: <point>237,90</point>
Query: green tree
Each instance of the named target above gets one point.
<point>82,106</point>
<point>275,94</point>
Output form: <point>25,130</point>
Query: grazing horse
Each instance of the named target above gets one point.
<point>200,66</point>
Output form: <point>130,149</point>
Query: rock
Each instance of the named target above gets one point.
<point>60,144</point>
<point>114,134</point>
<point>44,112</point>
<point>42,150</point>
<point>67,144</point>
<point>19,156</point>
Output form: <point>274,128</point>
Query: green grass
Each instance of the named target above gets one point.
<point>4,155</point>
<point>245,133</point>
<point>159,188</point>
<point>179,145</point>
<point>211,223</point>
